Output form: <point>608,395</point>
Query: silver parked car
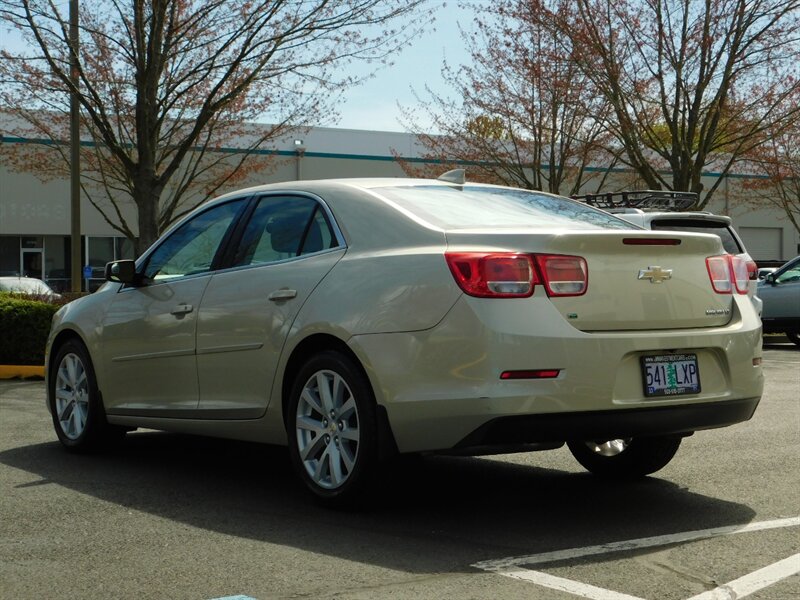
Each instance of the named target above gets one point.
<point>355,319</point>
<point>780,292</point>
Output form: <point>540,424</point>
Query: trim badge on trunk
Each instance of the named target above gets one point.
<point>655,274</point>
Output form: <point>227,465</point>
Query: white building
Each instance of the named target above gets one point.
<point>35,214</point>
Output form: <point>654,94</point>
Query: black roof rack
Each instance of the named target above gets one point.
<point>642,199</point>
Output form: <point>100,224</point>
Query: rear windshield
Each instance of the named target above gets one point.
<point>471,207</point>
<point>721,229</point>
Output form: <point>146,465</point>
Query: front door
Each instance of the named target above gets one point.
<point>33,263</point>
<point>149,349</point>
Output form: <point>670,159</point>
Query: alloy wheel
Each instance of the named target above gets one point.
<point>72,396</point>
<point>327,429</point>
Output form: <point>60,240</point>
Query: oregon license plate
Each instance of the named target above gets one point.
<point>670,375</point>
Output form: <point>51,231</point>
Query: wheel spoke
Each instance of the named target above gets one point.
<point>81,382</point>
<point>312,401</point>
<point>347,408</point>
<point>320,472</point>
<point>335,458</point>
<point>82,410</point>
<point>339,389</point>
<point>308,424</point>
<point>66,411</point>
<point>312,448</point>
<point>348,457</point>
<point>324,389</point>
<point>72,376</point>
<point>350,433</point>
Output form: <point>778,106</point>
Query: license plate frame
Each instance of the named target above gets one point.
<point>671,374</point>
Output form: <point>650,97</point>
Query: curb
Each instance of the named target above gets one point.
<point>21,372</point>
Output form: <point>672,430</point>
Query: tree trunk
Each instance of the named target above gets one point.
<point>147,194</point>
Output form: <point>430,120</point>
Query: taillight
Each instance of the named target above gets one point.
<point>513,275</point>
<point>740,273</point>
<point>727,273</point>
<point>752,270</point>
<point>563,275</point>
<point>493,274</point>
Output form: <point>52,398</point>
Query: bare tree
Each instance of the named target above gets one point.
<point>693,86</point>
<point>777,163</point>
<point>523,114</point>
<point>165,85</point>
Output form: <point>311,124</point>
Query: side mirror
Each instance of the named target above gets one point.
<point>121,271</point>
<point>770,278</point>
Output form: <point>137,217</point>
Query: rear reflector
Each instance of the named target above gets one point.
<point>531,374</point>
<point>651,241</point>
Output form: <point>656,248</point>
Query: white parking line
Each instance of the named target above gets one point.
<point>659,540</point>
<point>755,581</point>
<point>744,586</point>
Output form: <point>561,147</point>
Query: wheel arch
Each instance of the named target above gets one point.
<point>61,338</point>
<point>321,342</point>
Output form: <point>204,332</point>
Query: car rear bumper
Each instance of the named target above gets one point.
<point>441,385</point>
<point>606,425</point>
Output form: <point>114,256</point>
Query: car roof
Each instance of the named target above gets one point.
<point>364,183</point>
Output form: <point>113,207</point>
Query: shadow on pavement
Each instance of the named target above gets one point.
<point>424,512</point>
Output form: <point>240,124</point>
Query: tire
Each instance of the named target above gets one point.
<point>78,415</point>
<point>793,337</point>
<point>625,458</point>
<point>332,429</point>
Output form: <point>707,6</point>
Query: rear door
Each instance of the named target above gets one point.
<point>286,249</point>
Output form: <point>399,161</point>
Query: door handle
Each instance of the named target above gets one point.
<point>284,294</point>
<point>182,309</point>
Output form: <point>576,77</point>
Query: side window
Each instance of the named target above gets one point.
<point>191,248</point>
<point>283,227</point>
<point>789,275</point>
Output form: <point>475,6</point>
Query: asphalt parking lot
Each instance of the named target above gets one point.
<point>169,516</point>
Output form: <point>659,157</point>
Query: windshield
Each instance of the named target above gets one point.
<point>472,207</point>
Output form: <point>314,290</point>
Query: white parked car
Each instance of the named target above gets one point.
<point>354,319</point>
<point>28,286</point>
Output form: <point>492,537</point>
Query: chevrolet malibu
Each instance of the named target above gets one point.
<point>357,319</point>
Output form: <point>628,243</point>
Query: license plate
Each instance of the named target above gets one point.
<point>670,375</point>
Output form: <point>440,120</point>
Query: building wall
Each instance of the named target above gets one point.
<point>34,214</point>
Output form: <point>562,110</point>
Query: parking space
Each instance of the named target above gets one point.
<point>169,516</point>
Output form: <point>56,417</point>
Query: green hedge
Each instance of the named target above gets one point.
<point>24,325</point>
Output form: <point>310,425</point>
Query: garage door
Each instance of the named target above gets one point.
<point>763,243</point>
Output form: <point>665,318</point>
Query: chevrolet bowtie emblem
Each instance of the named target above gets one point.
<point>655,274</point>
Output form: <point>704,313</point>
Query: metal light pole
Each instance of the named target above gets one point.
<point>74,153</point>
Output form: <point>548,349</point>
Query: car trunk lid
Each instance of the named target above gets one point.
<point>637,280</point>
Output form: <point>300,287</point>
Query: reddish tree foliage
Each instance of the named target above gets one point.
<point>165,84</point>
<point>523,114</point>
<point>693,86</point>
<point>777,161</point>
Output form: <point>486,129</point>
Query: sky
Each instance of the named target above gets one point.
<point>374,104</point>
